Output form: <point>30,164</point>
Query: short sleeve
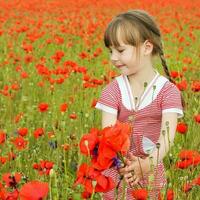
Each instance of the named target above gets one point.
<point>109,99</point>
<point>171,101</point>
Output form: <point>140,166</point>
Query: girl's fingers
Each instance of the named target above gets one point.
<point>132,157</point>
<point>127,176</point>
<point>132,180</point>
<point>135,182</point>
<point>129,168</point>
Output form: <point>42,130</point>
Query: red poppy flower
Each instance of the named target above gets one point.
<point>89,142</point>
<point>11,180</point>
<point>175,74</point>
<point>182,85</point>
<point>182,127</point>
<point>188,154</point>
<point>97,82</point>
<point>58,56</point>
<point>63,107</point>
<point>2,137</point>
<point>187,60</point>
<point>38,132</point>
<point>34,190</point>
<point>3,159</point>
<point>14,195</point>
<point>43,107</point>
<point>196,181</point>
<point>197,118</point>
<point>187,187</point>
<point>24,74</point>
<point>188,158</point>
<point>170,194</point>
<point>2,193</point>
<point>20,143</point>
<point>184,164</point>
<point>195,86</point>
<point>58,39</point>
<point>43,167</point>
<point>140,194</point>
<point>115,139</point>
<point>27,47</point>
<point>196,160</point>
<point>73,116</point>
<point>86,175</point>
<point>83,55</point>
<point>15,86</point>
<point>22,131</point>
<point>86,77</point>
<point>89,85</point>
<point>82,70</point>
<point>85,195</point>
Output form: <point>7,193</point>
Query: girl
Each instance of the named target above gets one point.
<point>141,96</point>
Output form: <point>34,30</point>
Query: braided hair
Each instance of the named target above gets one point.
<point>165,68</point>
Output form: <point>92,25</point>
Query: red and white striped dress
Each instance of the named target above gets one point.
<point>160,96</point>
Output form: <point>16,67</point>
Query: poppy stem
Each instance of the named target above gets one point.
<point>124,190</point>
<point>140,167</point>
<point>168,137</point>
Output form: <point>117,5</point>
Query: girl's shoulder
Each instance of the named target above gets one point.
<point>113,85</point>
<point>169,86</point>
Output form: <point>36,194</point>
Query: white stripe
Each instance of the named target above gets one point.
<point>174,110</point>
<point>106,108</point>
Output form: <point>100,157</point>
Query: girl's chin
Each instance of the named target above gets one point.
<point>127,73</point>
<point>124,71</point>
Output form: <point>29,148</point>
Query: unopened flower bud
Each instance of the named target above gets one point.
<point>51,172</point>
<point>94,183</point>
<point>163,132</point>
<point>157,145</point>
<point>86,143</point>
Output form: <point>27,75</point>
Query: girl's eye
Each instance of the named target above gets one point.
<point>120,51</point>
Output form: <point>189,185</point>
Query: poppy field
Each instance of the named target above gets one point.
<point>53,67</point>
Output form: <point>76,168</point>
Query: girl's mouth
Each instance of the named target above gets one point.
<point>119,66</point>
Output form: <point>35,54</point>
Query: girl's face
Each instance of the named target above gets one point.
<point>124,58</point>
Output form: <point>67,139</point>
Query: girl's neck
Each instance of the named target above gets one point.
<point>141,77</point>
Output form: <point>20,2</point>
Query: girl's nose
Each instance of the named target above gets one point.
<point>114,57</point>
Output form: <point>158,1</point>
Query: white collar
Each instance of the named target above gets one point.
<point>125,89</point>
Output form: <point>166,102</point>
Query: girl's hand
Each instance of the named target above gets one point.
<point>134,169</point>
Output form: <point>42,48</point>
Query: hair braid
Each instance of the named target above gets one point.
<point>164,64</point>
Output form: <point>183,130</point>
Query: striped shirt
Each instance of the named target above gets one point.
<point>160,96</point>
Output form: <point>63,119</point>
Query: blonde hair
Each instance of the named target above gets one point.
<point>137,26</point>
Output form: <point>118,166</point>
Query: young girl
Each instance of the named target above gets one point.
<point>142,97</point>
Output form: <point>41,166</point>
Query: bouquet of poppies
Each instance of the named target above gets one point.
<point>106,148</point>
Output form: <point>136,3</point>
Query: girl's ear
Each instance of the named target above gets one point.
<point>148,47</point>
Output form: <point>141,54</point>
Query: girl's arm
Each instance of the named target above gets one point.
<point>108,119</point>
<point>168,127</point>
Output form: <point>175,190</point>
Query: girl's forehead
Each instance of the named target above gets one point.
<point>119,39</point>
